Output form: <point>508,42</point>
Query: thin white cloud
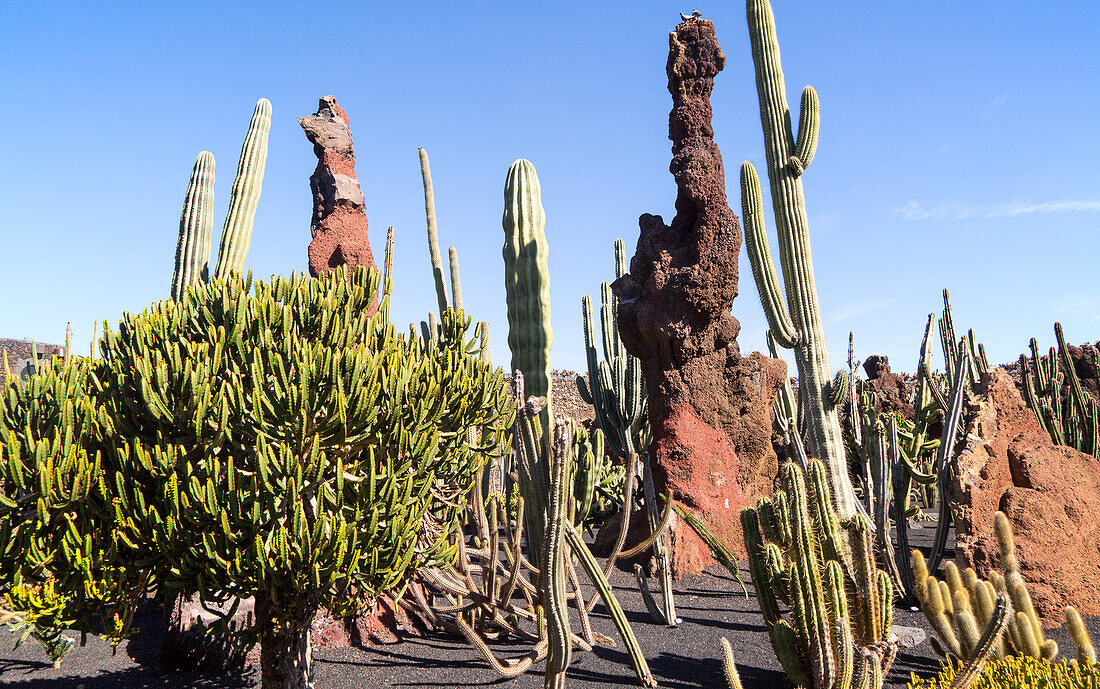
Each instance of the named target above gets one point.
<point>1048,207</point>
<point>994,104</point>
<point>914,210</point>
<point>1079,306</point>
<point>859,308</point>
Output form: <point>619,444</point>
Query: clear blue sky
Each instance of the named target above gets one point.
<point>959,149</point>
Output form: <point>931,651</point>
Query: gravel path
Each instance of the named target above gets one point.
<point>710,604</point>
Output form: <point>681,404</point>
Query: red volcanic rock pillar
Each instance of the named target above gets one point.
<point>339,226</point>
<point>710,409</point>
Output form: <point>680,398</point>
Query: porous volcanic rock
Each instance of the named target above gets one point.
<point>709,408</point>
<point>1050,494</point>
<point>339,225</point>
<point>890,389</point>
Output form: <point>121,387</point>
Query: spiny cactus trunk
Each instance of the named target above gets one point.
<point>286,655</point>
<point>798,323</point>
<point>196,226</point>
<point>245,197</point>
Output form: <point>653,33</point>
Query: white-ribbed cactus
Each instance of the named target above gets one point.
<point>795,321</point>
<point>196,221</point>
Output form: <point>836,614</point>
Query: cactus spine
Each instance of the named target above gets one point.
<point>796,322</point>
<point>196,221</point>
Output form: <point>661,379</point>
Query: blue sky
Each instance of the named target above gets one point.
<point>958,149</point>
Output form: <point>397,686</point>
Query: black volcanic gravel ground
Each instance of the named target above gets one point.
<point>710,604</point>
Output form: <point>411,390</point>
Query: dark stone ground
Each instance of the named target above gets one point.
<point>710,604</point>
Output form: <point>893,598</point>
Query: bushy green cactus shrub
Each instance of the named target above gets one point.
<point>275,441</point>
<point>60,564</point>
<point>1016,672</point>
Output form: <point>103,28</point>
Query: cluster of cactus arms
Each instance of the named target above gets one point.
<point>975,618</point>
<point>838,633</point>
<point>60,565</point>
<point>795,322</point>
<point>616,390</point>
<point>197,219</point>
<point>896,458</point>
<point>1053,391</point>
<point>277,442</point>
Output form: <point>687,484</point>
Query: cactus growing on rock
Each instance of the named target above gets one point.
<point>196,221</point>
<point>795,322</point>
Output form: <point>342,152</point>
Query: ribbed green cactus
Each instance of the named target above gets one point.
<point>527,282</point>
<point>527,287</point>
<point>794,322</point>
<point>1053,391</point>
<point>245,197</point>
<point>197,219</point>
<point>615,386</point>
<point>838,633</point>
<point>196,227</point>
<point>616,391</point>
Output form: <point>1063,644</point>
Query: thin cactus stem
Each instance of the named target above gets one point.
<point>456,281</point>
<point>433,235</point>
<point>945,454</point>
<point>618,617</point>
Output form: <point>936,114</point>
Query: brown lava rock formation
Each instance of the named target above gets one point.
<point>890,389</point>
<point>710,409</point>
<point>1050,494</point>
<point>339,226</point>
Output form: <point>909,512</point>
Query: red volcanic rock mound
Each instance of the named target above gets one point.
<point>709,408</point>
<point>339,226</point>
<point>1050,494</point>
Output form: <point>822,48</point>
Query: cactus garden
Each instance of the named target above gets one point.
<point>366,467</point>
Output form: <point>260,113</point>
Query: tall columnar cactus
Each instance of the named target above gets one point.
<point>196,226</point>
<point>237,232</point>
<point>794,322</point>
<point>838,635</point>
<point>196,221</point>
<point>527,282</point>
